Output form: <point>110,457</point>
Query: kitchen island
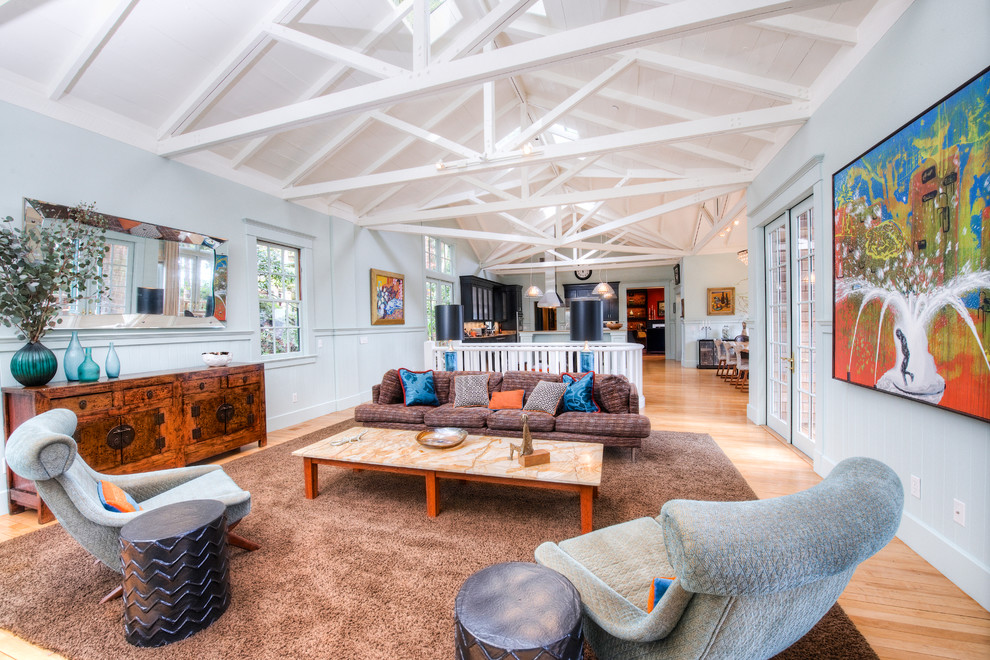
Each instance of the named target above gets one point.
<point>555,336</point>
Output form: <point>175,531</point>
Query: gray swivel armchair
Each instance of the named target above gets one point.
<point>751,577</point>
<point>42,449</point>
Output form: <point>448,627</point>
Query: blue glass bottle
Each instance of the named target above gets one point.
<point>88,370</point>
<point>73,358</point>
<point>113,363</point>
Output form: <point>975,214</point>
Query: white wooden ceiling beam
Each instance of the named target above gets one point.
<point>421,35</point>
<point>331,51</point>
<point>338,140</point>
<point>225,73</point>
<point>570,102</point>
<point>484,185</point>
<point>734,179</point>
<point>616,263</point>
<point>722,76</point>
<point>726,220</point>
<point>486,29</point>
<point>426,136</point>
<point>522,224</point>
<point>812,28</point>
<point>567,175</point>
<point>91,49</point>
<point>687,130</point>
<point>450,232</point>
<point>460,197</point>
<point>627,249</point>
<point>590,213</point>
<point>596,40</point>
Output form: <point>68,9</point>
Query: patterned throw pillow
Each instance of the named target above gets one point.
<point>511,400</point>
<point>579,395</point>
<point>546,397</point>
<point>471,391</point>
<point>418,388</point>
<point>113,498</point>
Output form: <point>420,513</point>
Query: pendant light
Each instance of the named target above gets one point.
<point>604,289</point>
<point>533,291</point>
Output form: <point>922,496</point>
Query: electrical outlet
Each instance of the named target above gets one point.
<point>916,486</point>
<point>959,512</point>
<point>295,398</point>
<point>362,340</point>
<point>319,343</point>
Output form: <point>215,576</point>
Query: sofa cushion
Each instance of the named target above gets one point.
<point>616,424</point>
<point>390,412</point>
<point>391,389</point>
<point>442,381</point>
<point>448,415</point>
<point>494,381</point>
<point>579,394</point>
<point>526,380</point>
<point>418,388</point>
<point>612,392</point>
<point>546,397</point>
<point>507,400</point>
<point>511,420</point>
<point>471,391</point>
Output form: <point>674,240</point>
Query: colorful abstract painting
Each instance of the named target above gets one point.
<point>912,258</point>
<point>722,302</point>
<point>387,298</point>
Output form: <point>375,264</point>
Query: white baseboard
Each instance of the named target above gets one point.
<point>352,400</point>
<point>964,570</point>
<point>299,416</point>
<point>689,363</point>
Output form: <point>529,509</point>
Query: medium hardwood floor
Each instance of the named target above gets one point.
<point>904,607</point>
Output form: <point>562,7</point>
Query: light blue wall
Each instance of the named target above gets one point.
<point>52,161</point>
<point>934,47</point>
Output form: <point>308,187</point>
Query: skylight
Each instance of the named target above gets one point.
<point>443,16</point>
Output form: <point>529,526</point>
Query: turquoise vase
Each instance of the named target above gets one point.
<point>33,365</point>
<point>73,358</point>
<point>113,363</point>
<point>88,370</point>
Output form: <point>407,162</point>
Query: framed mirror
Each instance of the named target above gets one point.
<point>159,277</point>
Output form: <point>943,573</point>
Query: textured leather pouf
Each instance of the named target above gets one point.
<point>518,611</point>
<point>175,571</point>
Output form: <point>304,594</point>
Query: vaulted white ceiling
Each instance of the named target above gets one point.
<point>617,131</point>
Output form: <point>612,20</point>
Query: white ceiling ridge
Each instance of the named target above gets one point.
<point>722,76</point>
<point>379,31</point>
<point>222,75</point>
<point>75,68</point>
<point>796,113</point>
<point>617,34</point>
<point>735,179</point>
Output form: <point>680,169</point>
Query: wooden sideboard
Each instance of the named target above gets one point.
<point>144,422</point>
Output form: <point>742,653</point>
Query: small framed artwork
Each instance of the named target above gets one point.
<point>677,274</point>
<point>722,302</point>
<point>682,307</point>
<point>388,297</point>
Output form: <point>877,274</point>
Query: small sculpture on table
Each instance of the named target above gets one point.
<point>527,455</point>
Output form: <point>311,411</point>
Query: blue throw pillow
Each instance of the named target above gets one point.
<point>657,589</point>
<point>418,388</point>
<point>578,397</point>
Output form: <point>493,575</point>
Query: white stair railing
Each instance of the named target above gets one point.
<point>621,359</point>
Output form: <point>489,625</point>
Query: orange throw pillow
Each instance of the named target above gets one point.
<point>511,400</point>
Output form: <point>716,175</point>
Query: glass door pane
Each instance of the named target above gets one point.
<point>803,311</point>
<point>778,332</point>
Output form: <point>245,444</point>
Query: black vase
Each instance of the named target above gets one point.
<point>33,365</point>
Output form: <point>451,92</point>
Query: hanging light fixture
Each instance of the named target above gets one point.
<point>604,289</point>
<point>550,299</point>
<point>533,291</point>
<point>743,256</point>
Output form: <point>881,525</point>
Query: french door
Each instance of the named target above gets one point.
<point>791,352</point>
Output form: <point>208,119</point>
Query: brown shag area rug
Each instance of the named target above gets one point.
<point>361,572</point>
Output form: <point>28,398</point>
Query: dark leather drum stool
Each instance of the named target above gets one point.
<point>518,611</point>
<point>176,577</point>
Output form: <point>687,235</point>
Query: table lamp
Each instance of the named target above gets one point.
<point>450,327</point>
<point>586,326</point>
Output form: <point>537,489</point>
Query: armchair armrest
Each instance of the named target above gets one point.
<point>609,609</point>
<point>375,389</point>
<point>146,485</point>
<point>633,398</point>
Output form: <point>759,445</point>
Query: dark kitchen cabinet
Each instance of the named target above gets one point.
<point>478,298</point>
<point>610,307</point>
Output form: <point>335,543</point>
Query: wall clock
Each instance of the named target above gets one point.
<point>582,274</point>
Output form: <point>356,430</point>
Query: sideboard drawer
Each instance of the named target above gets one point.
<point>198,385</point>
<point>87,404</point>
<point>140,395</point>
<point>239,380</point>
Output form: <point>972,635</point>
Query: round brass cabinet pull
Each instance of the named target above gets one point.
<point>150,394</point>
<point>225,413</point>
<point>202,386</point>
<point>120,437</point>
<point>82,405</point>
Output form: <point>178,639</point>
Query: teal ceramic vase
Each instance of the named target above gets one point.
<point>88,370</point>
<point>113,363</point>
<point>33,365</point>
<point>73,358</point>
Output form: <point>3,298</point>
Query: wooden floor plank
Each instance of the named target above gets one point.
<point>906,609</point>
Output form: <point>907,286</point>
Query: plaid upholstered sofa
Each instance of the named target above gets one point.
<point>619,423</point>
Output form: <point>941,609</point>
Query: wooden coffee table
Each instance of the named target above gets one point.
<point>573,466</point>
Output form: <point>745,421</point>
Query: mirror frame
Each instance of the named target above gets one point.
<point>120,225</point>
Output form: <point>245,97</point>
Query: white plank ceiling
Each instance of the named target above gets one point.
<point>597,131</point>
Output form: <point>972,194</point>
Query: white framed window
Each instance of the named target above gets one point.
<point>279,299</point>
<point>438,292</point>
<point>439,255</point>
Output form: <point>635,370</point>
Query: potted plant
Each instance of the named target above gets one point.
<point>43,267</point>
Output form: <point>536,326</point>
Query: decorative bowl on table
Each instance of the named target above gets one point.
<point>613,325</point>
<point>443,438</point>
<point>217,358</point>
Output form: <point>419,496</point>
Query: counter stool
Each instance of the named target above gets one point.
<point>175,571</point>
<point>518,611</point>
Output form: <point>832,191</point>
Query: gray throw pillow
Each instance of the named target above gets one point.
<point>471,391</point>
<point>546,397</point>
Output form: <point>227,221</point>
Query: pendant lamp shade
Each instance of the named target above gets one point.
<point>534,291</point>
<point>604,289</point>
<point>586,319</point>
<point>550,299</point>
<point>450,322</point>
